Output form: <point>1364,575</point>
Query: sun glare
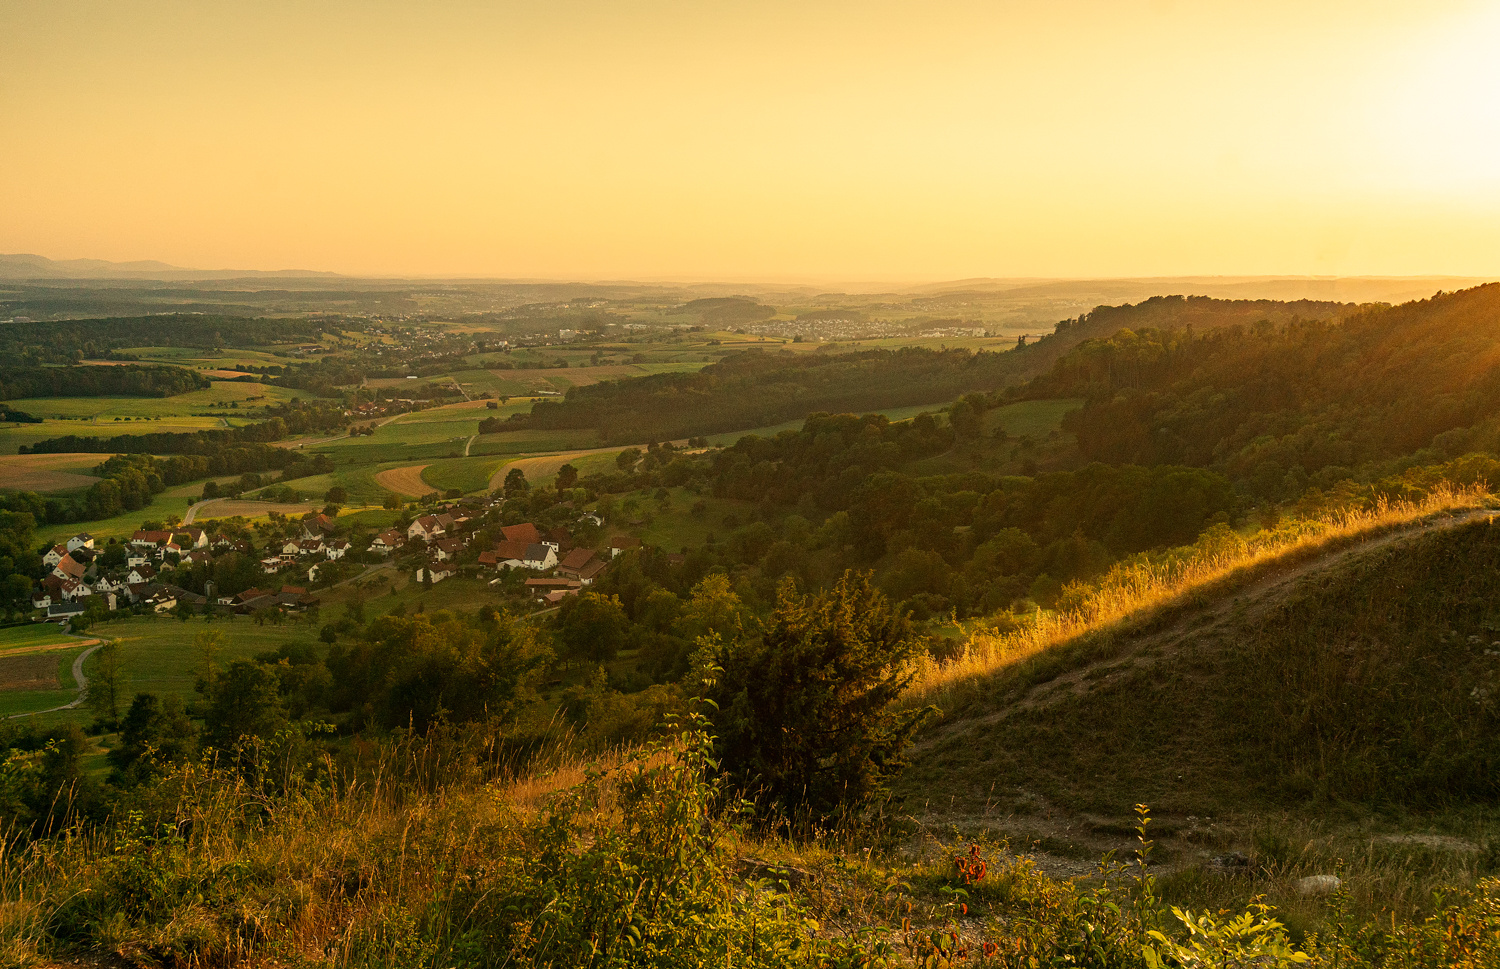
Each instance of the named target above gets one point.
<point>1441,124</point>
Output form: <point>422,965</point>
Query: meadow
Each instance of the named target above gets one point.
<point>112,416</point>
<point>36,663</point>
<point>158,655</point>
<point>171,503</point>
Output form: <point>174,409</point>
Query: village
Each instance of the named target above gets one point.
<point>232,567</point>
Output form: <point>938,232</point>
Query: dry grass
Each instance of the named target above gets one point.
<point>539,468</point>
<point>244,508</point>
<point>1134,588</point>
<point>47,472</point>
<point>405,481</point>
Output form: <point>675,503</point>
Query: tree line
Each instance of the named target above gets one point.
<point>128,380</point>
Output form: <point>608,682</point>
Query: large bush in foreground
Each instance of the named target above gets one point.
<point>804,719</point>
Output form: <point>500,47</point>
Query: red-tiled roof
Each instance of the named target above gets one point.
<point>510,550</point>
<point>525,533</point>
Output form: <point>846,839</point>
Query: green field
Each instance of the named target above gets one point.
<point>357,480</point>
<point>56,665</point>
<point>522,443</point>
<point>172,503</point>
<point>158,655</point>
<point>199,359</point>
<point>111,416</point>
<point>465,474</point>
<point>439,432</point>
<point>38,650</point>
<point>455,594</point>
<point>1030,418</point>
<point>106,409</point>
<point>675,526</point>
<point>893,413</point>
<point>31,635</point>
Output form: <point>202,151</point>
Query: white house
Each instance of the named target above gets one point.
<point>387,542</point>
<point>81,540</point>
<point>514,555</point>
<point>429,527</point>
<point>437,571</point>
<point>55,554</point>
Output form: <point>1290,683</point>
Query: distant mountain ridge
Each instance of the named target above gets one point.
<point>31,266</point>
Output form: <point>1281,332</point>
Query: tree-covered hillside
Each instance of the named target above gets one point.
<point>1296,403</point>
<point>121,381</point>
<point>760,388</point>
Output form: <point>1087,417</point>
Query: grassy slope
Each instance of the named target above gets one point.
<point>1368,683</point>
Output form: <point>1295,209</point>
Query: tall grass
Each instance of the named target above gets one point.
<point>1141,586</point>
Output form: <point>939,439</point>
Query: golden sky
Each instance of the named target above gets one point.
<point>659,139</point>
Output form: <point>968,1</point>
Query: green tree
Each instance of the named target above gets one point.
<point>392,501</point>
<point>591,627</point>
<point>336,495</point>
<point>208,645</point>
<point>515,481</point>
<point>804,718</point>
<point>567,477</point>
<point>154,734</point>
<point>103,696</point>
<point>627,458</point>
<point>243,702</point>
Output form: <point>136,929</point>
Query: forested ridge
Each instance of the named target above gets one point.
<point>758,387</point>
<point>126,380</point>
<point>1283,405</point>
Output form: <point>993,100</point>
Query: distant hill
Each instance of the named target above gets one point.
<point>28,266</point>
<point>1343,289</point>
<point>728,310</point>
<point>760,388</point>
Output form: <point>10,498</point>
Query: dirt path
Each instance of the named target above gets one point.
<point>78,678</point>
<point>192,512</point>
<point>470,443</point>
<point>405,481</point>
<point>539,465</point>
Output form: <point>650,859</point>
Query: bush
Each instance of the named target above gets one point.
<point>804,718</point>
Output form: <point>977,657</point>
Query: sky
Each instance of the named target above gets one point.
<point>656,139</point>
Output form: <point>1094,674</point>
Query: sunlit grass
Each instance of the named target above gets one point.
<point>1137,587</point>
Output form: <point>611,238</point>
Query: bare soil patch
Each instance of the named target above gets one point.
<point>29,671</point>
<point>405,481</point>
<point>47,472</point>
